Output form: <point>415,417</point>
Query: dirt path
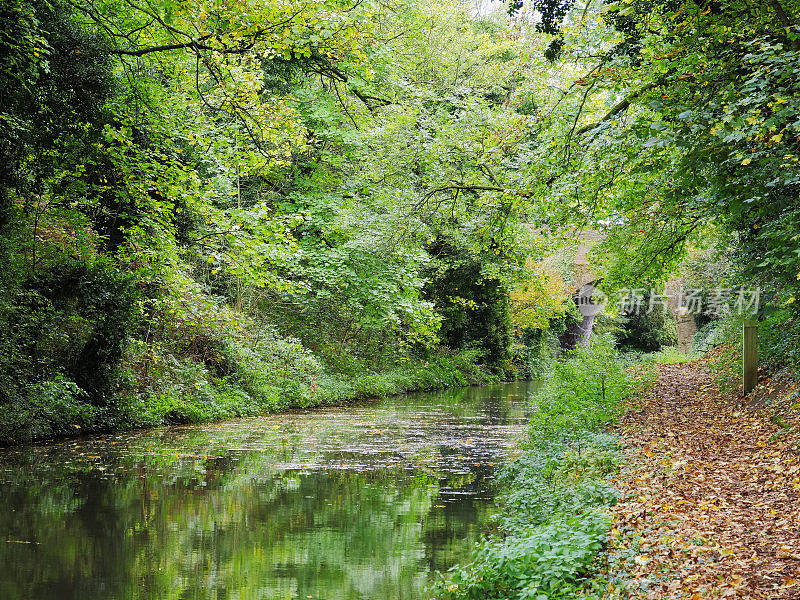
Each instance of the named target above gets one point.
<point>710,499</point>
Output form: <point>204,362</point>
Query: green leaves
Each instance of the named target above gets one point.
<point>555,513</point>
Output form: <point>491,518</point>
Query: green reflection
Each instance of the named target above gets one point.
<point>362,502</point>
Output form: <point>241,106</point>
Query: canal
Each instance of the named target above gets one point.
<point>361,502</point>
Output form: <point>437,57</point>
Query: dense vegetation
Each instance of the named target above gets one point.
<point>693,159</point>
<point>215,210</point>
<point>221,209</point>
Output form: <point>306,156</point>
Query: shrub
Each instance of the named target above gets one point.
<point>65,329</point>
<point>583,393</point>
<point>647,331</point>
<point>54,407</point>
<point>473,304</point>
<point>779,339</point>
<point>536,351</point>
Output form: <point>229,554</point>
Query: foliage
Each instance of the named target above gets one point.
<point>474,306</point>
<point>540,295</point>
<point>66,333</point>
<point>583,393</point>
<point>723,341</point>
<point>679,129</point>
<point>555,518</point>
<point>647,329</point>
<point>438,371</point>
<point>777,333</point>
<point>669,355</point>
<point>537,349</point>
<point>196,223</point>
<point>55,406</point>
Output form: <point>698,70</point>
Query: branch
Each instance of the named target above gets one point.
<point>212,234</point>
<point>463,188</point>
<point>784,19</point>
<point>194,45</point>
<point>672,246</point>
<point>486,169</point>
<point>326,69</point>
<point>344,106</point>
<point>618,108</point>
<point>191,43</point>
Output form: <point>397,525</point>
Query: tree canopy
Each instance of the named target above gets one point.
<point>263,196</point>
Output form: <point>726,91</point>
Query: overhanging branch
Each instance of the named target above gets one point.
<point>617,109</point>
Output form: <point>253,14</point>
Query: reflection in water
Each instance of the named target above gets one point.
<point>359,502</point>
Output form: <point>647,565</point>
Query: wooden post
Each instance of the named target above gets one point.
<point>749,355</point>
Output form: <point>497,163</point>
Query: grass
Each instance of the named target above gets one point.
<point>668,355</point>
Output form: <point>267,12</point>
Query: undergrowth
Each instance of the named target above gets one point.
<point>555,516</point>
<point>722,339</point>
<point>181,391</point>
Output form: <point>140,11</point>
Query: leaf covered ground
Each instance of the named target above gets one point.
<point>710,499</point>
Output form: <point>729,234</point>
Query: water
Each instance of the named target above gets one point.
<point>360,502</point>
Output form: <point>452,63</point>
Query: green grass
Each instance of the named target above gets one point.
<point>668,355</point>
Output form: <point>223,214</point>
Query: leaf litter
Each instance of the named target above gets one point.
<point>710,500</point>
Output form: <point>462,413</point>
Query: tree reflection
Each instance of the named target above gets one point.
<point>391,492</point>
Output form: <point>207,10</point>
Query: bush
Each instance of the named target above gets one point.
<point>779,339</point>
<point>473,305</point>
<point>778,347</point>
<point>76,359</point>
<point>54,407</point>
<point>536,351</point>
<point>647,331</point>
<point>540,563</point>
<point>668,355</point>
<point>440,370</point>
<point>709,336</point>
<point>583,393</point>
<point>65,329</point>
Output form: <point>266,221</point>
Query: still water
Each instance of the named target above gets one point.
<point>361,502</point>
